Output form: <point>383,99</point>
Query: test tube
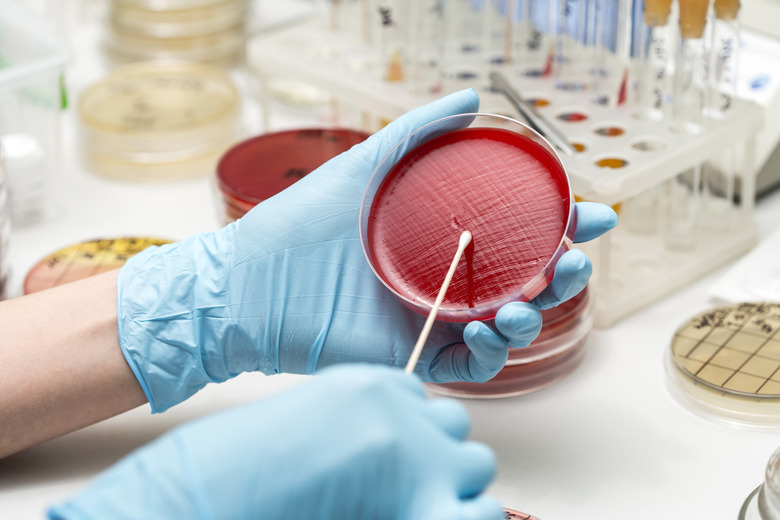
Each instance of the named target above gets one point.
<point>463,42</point>
<point>656,57</point>
<point>571,50</point>
<point>534,37</point>
<point>496,33</point>
<point>426,46</point>
<point>718,174</point>
<point>390,16</point>
<point>683,191</point>
<point>612,40</point>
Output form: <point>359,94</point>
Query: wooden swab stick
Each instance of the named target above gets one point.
<point>465,240</point>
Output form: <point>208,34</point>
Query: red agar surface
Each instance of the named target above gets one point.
<point>510,192</point>
<point>262,166</point>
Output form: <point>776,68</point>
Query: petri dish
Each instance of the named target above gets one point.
<point>223,48</point>
<point>177,23</point>
<point>260,167</point>
<point>512,514</point>
<point>485,173</point>
<point>83,260</point>
<point>724,364</point>
<point>158,120</point>
<point>552,356</point>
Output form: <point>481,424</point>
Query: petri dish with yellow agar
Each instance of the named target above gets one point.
<point>84,259</point>
<point>158,120</point>
<point>186,21</point>
<point>485,173</point>
<point>205,31</point>
<point>552,356</point>
<point>725,364</point>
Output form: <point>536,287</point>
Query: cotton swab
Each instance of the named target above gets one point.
<point>465,240</point>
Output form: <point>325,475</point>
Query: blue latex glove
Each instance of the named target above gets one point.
<point>287,289</point>
<point>357,442</point>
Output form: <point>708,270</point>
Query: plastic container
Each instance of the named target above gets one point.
<point>484,173</point>
<point>201,31</point>
<point>84,259</point>
<point>158,120</point>
<point>32,61</point>
<point>724,364</point>
<point>262,166</point>
<point>764,502</point>
<point>553,355</point>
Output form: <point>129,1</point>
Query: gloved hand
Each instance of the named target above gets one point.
<point>287,289</point>
<point>356,442</point>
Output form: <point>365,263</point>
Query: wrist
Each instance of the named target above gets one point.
<point>172,303</point>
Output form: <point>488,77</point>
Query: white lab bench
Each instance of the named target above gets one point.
<point>607,443</point>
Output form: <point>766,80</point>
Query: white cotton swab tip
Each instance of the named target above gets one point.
<point>465,240</point>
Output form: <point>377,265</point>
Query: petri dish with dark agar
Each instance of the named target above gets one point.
<point>485,173</point>
<point>84,259</point>
<point>260,167</point>
<point>552,356</point>
<point>725,364</point>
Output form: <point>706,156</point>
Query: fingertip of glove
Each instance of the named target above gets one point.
<point>519,319</point>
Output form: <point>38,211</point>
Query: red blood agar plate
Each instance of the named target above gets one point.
<point>485,173</point>
<point>260,167</point>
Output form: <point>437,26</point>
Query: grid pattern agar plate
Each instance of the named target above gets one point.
<point>733,349</point>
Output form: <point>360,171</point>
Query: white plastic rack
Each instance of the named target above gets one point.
<point>339,79</point>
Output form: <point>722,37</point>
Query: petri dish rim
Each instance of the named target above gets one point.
<point>223,172</point>
<point>487,310</point>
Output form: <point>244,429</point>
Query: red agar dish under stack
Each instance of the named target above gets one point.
<point>262,166</point>
<point>487,174</point>
<point>553,355</point>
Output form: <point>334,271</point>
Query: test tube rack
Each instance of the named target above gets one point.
<point>631,270</point>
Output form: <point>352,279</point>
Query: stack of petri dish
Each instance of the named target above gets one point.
<point>262,166</point>
<point>84,259</point>
<point>159,120</point>
<point>553,355</point>
<point>207,31</point>
<point>5,227</point>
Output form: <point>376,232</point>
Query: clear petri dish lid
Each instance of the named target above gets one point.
<point>221,48</point>
<point>177,23</point>
<point>85,259</point>
<point>725,364</point>
<point>158,112</point>
<point>485,173</point>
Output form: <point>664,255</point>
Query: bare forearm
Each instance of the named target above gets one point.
<point>61,367</point>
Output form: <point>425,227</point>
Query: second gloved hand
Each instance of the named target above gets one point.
<point>287,289</point>
<point>358,442</point>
